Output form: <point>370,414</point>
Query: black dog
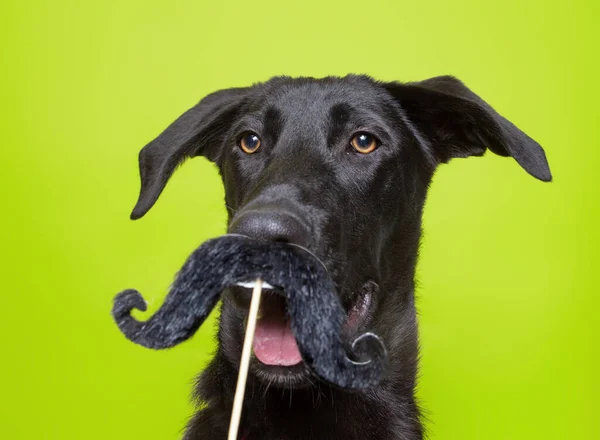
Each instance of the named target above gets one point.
<point>341,167</point>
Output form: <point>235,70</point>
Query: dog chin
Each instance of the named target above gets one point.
<point>294,376</point>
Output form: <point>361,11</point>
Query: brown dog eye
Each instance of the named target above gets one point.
<point>250,143</point>
<point>364,143</point>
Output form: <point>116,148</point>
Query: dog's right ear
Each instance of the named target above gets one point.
<point>198,132</point>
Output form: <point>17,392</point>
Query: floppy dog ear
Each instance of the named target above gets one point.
<point>457,123</point>
<point>198,132</point>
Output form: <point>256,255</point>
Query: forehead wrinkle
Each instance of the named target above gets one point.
<point>339,116</point>
<point>249,122</point>
<point>302,113</point>
<point>347,118</point>
<point>272,122</point>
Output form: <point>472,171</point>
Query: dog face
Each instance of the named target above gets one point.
<point>340,167</point>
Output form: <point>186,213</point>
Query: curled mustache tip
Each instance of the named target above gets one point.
<point>125,302</point>
<point>368,348</point>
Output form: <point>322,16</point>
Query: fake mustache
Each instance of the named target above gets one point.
<point>315,311</point>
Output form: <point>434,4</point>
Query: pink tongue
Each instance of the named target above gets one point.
<point>274,343</point>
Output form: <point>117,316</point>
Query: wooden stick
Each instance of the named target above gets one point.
<point>245,362</point>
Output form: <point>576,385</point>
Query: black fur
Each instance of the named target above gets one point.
<point>315,310</point>
<point>359,213</point>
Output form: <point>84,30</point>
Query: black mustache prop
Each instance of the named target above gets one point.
<point>315,310</point>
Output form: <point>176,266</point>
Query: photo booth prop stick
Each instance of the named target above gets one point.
<point>315,311</point>
<point>240,388</point>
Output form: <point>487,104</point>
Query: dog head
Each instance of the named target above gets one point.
<point>340,167</point>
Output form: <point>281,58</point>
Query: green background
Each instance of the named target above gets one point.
<point>507,279</point>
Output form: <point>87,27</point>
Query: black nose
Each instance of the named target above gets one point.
<point>271,225</point>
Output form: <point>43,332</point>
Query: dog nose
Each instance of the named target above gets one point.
<point>271,226</point>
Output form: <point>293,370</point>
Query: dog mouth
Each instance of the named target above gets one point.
<point>274,344</point>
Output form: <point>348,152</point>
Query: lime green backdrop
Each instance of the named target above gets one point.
<point>507,279</point>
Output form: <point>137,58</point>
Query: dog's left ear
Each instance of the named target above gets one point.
<point>198,132</point>
<point>455,122</point>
